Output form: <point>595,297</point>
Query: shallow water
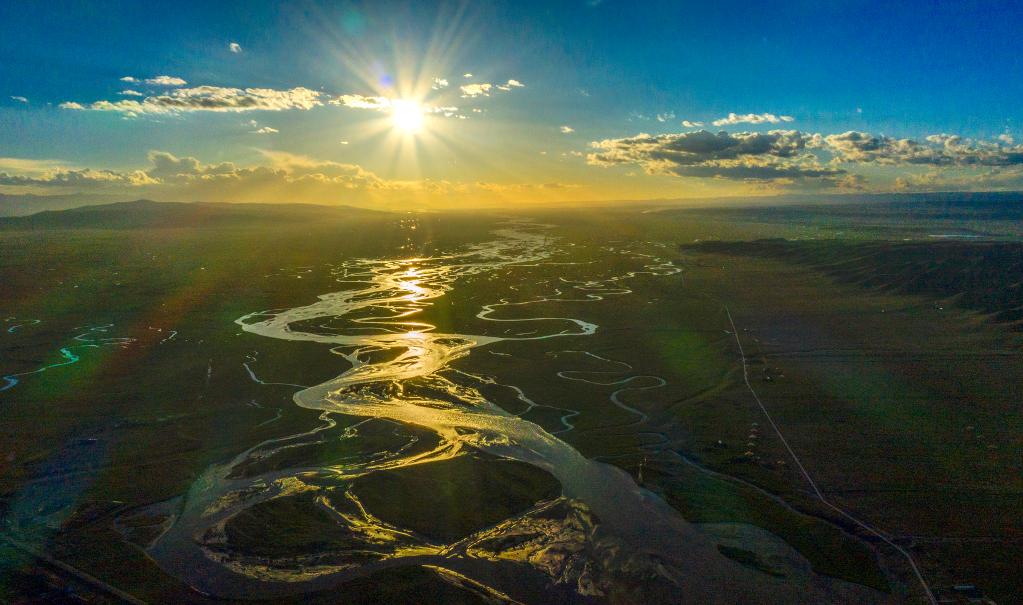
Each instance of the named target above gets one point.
<point>618,533</point>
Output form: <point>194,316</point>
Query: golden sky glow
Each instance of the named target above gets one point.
<point>405,106</point>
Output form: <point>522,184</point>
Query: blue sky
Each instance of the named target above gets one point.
<point>590,78</point>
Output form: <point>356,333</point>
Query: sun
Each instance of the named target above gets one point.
<point>407,116</point>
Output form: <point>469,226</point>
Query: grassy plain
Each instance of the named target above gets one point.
<point>901,401</point>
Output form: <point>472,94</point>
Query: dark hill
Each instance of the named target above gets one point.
<point>147,214</point>
<point>982,276</point>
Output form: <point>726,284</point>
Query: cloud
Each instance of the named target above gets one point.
<point>281,177</point>
<point>664,117</point>
<point>934,150</point>
<point>567,129</point>
<point>31,166</point>
<point>78,178</point>
<point>165,81</point>
<point>375,103</point>
<point>689,124</point>
<point>131,93</point>
<point>1006,138</point>
<point>779,154</point>
<point>813,160</point>
<point>483,89</point>
<point>752,118</point>
<point>19,99</point>
<point>383,103</point>
<point>466,75</point>
<point>439,83</point>
<point>165,169</point>
<point>235,47</point>
<point>129,79</point>
<point>476,90</point>
<point>209,98</point>
<point>961,180</point>
<point>362,102</point>
<point>448,111</point>
<point>266,130</point>
<point>215,98</point>
<point>510,84</point>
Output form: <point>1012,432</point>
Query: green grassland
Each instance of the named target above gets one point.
<point>903,406</point>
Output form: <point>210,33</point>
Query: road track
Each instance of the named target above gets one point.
<point>813,484</point>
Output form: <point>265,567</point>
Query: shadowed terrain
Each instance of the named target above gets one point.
<point>986,277</point>
<point>134,401</point>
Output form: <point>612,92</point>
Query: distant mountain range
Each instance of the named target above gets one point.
<point>52,212</point>
<point>23,204</point>
<point>147,214</point>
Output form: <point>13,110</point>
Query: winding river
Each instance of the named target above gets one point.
<point>622,537</point>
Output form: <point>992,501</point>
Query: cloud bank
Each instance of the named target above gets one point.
<point>741,156</point>
<point>282,177</point>
<point>208,98</point>
<point>790,156</point>
<point>483,89</point>
<point>752,118</point>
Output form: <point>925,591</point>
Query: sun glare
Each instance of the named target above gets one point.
<point>407,116</point>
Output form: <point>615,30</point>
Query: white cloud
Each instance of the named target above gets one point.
<point>281,177</point>
<point>362,102</point>
<point>812,160</point>
<point>19,99</point>
<point>467,76</point>
<point>209,98</point>
<point>165,81</point>
<point>129,79</point>
<point>448,111</point>
<point>263,129</point>
<point>998,178</point>
<point>131,93</point>
<point>510,84</point>
<point>567,129</point>
<point>476,90</point>
<point>374,103</point>
<point>1006,138</point>
<point>76,177</point>
<point>690,124</point>
<point>483,89</point>
<point>31,166</point>
<point>752,118</point>
<point>934,150</point>
<point>439,83</point>
<point>235,47</point>
<point>664,117</point>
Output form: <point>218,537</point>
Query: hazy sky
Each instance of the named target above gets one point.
<point>425,104</point>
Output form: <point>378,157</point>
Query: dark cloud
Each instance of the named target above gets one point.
<point>934,150</point>
<point>778,154</point>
